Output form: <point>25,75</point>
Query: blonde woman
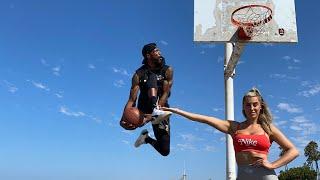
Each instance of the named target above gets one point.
<point>252,138</point>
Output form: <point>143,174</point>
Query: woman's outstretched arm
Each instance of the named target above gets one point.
<point>221,125</point>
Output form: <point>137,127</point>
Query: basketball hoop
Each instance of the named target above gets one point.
<point>250,20</point>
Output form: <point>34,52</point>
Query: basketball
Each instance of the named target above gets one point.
<point>133,116</point>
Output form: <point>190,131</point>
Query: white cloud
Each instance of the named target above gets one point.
<point>289,108</point>
<point>275,116</point>
<point>216,131</point>
<point>299,119</point>
<point>283,76</point>
<point>209,148</point>
<point>212,130</point>
<point>217,109</point>
<point>190,137</point>
<point>186,146</point>
<point>119,83</point>
<point>296,128</point>
<point>95,119</point>
<point>56,70</point>
<point>286,57</point>
<point>125,142</point>
<point>296,60</point>
<point>271,96</point>
<point>208,129</point>
<point>44,62</point>
<point>291,59</point>
<point>39,85</point>
<point>293,68</point>
<point>210,45</point>
<point>305,83</point>
<point>314,89</point>
<point>301,141</point>
<point>127,132</point>
<point>278,76</point>
<point>164,42</point>
<point>120,71</point>
<point>64,110</point>
<point>58,95</point>
<point>280,123</point>
<point>309,128</point>
<point>303,125</point>
<point>220,59</point>
<point>91,66</point>
<point>223,139</point>
<point>10,87</point>
<point>241,62</point>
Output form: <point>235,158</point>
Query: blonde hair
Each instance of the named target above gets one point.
<point>265,117</point>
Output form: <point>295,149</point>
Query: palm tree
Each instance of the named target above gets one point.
<point>312,154</point>
<point>281,154</point>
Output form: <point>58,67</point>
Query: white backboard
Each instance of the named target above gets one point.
<point>213,20</point>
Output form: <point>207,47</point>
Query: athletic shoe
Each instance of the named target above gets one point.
<point>159,115</point>
<point>142,138</point>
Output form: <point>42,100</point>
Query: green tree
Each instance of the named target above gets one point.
<point>312,154</point>
<point>298,173</point>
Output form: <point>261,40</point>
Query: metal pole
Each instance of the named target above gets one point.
<point>184,177</point>
<point>229,113</point>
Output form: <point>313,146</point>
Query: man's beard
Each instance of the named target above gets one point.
<point>157,62</point>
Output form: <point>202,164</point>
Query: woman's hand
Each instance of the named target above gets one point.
<point>174,110</point>
<point>263,163</point>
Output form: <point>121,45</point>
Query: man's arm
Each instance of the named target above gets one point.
<point>131,101</point>
<point>133,91</point>
<point>167,84</point>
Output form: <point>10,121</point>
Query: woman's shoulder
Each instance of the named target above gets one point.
<point>274,129</point>
<point>234,123</point>
<point>275,133</point>
<point>234,126</point>
<point>237,123</point>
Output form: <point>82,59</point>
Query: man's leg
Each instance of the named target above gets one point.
<point>162,142</point>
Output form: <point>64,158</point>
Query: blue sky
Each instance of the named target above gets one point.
<point>65,76</point>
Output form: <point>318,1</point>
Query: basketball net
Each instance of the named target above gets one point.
<point>251,20</point>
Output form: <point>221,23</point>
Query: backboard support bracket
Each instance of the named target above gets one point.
<point>229,70</point>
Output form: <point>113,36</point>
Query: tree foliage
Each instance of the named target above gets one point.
<point>312,154</point>
<point>298,173</point>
